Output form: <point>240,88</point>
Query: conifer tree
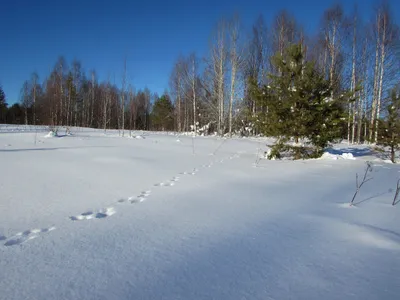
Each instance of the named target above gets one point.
<point>3,106</point>
<point>390,128</point>
<point>298,104</point>
<point>162,116</point>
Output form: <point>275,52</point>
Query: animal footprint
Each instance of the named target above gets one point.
<point>169,183</point>
<point>145,193</point>
<point>133,200</point>
<point>175,179</point>
<point>104,213</point>
<point>27,235</point>
<point>101,214</point>
<point>140,198</point>
<point>2,238</point>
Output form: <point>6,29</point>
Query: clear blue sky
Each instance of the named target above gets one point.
<point>150,33</point>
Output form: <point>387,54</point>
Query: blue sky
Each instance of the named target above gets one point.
<point>151,34</point>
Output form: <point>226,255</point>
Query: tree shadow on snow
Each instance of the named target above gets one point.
<point>389,232</point>
<point>373,197</point>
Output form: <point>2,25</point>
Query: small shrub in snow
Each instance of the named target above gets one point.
<point>368,169</point>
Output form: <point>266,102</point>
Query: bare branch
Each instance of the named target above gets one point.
<point>365,180</point>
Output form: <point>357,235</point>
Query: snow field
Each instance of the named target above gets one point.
<point>147,219</point>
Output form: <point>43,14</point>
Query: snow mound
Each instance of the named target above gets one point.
<point>139,137</point>
<point>330,156</point>
<point>50,134</point>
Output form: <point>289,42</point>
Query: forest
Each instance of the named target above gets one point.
<point>273,79</point>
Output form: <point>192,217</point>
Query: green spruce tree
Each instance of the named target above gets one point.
<point>297,104</point>
<point>162,116</point>
<point>390,128</point>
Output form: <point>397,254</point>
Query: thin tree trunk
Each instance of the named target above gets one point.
<point>194,94</point>
<point>383,54</point>
<point>233,78</point>
<point>179,104</point>
<point>353,82</point>
<point>123,100</point>
<point>333,58</point>
<point>92,102</point>
<point>325,58</point>
<point>376,78</point>
<point>130,111</point>
<point>34,102</point>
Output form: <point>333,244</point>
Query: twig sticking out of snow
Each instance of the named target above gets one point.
<point>365,180</point>
<point>193,145</point>
<point>397,193</point>
<point>258,158</point>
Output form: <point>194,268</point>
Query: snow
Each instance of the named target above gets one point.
<point>49,135</point>
<point>329,156</point>
<point>95,215</point>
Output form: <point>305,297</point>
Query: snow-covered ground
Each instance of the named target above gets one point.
<point>95,216</point>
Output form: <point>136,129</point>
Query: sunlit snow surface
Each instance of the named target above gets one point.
<point>100,216</point>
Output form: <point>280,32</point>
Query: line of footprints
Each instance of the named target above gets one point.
<point>25,236</point>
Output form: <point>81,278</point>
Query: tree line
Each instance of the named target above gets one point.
<point>238,87</point>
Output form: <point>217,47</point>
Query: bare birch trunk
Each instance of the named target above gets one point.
<point>353,108</point>
<point>179,104</point>
<point>194,93</point>
<point>234,66</point>
<point>92,102</point>
<point>382,63</point>
<point>123,100</point>
<point>376,78</point>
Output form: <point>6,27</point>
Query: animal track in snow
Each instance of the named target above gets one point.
<point>139,198</point>
<point>136,199</point>
<point>101,214</point>
<point>27,235</point>
<point>167,183</point>
<point>193,172</point>
<point>2,238</point>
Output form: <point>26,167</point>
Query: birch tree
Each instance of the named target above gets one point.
<point>132,120</point>
<point>123,99</point>
<point>25,101</point>
<point>218,64</point>
<point>176,84</point>
<point>34,87</point>
<point>387,36</point>
<point>235,61</point>
<point>332,25</point>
